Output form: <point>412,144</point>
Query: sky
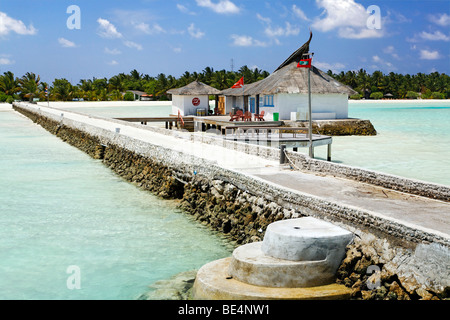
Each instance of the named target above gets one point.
<point>83,39</point>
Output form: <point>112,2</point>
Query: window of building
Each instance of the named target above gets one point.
<point>268,101</point>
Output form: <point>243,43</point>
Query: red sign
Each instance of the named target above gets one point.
<point>196,102</point>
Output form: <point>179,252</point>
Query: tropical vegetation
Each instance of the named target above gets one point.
<point>369,86</point>
<point>396,86</point>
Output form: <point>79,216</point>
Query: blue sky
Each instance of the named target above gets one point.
<point>171,37</point>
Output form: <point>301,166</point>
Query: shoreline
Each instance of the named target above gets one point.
<point>413,101</point>
<point>106,104</point>
<point>90,104</point>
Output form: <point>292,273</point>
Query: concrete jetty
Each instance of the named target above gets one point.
<point>410,215</point>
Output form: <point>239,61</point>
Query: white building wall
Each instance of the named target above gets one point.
<point>324,106</point>
<point>185,105</point>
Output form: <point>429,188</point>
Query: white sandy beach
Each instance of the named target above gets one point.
<point>415,101</point>
<point>106,104</point>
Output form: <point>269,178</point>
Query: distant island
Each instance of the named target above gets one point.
<point>369,86</point>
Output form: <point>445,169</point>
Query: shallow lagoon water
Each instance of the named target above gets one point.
<point>60,208</point>
<point>412,140</point>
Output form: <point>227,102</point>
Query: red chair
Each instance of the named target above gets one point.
<point>247,116</point>
<point>260,117</point>
<point>237,116</point>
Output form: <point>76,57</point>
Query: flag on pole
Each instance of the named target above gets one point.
<point>305,63</point>
<point>239,84</point>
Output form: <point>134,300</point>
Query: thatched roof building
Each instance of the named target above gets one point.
<point>195,88</point>
<point>285,92</point>
<point>192,99</point>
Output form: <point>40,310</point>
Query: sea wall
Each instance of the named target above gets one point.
<point>386,260</point>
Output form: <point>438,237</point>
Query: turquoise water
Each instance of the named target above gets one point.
<point>60,208</point>
<point>412,141</point>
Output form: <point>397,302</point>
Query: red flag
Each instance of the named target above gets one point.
<point>239,84</point>
<point>305,63</point>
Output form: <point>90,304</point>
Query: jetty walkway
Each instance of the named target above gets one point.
<point>416,212</point>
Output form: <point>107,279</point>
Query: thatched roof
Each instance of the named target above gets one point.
<point>288,78</point>
<point>193,89</point>
<point>291,79</point>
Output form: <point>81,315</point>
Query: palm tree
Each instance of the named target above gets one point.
<point>221,80</point>
<point>29,85</point>
<point>62,90</point>
<point>8,84</point>
<point>117,83</point>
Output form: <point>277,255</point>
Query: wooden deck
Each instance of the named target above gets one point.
<point>266,133</point>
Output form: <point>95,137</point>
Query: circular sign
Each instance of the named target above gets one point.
<point>196,102</point>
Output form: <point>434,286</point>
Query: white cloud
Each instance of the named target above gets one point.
<point>113,63</point>
<point>107,29</point>
<point>442,19</point>
<point>391,50</point>
<point>184,9</point>
<point>282,32</point>
<point>436,36</point>
<point>146,28</point>
<point>66,43</point>
<point>6,61</point>
<point>275,32</point>
<point>299,13</point>
<point>112,51</point>
<point>195,32</point>
<point>222,7</point>
<point>354,33</point>
<point>8,24</point>
<point>381,63</point>
<point>348,17</point>
<point>246,41</point>
<point>429,55</point>
<point>134,45</point>
<point>335,67</point>
<point>263,19</point>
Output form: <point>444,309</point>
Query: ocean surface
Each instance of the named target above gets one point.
<point>412,140</point>
<point>71,229</point>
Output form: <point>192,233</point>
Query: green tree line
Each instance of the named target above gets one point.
<point>396,86</point>
<point>369,86</point>
<point>29,86</point>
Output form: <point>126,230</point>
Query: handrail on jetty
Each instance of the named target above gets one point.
<point>168,120</point>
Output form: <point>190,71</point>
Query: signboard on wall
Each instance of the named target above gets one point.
<point>196,102</point>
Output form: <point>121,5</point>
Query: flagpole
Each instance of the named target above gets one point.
<point>311,153</point>
<point>311,149</point>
